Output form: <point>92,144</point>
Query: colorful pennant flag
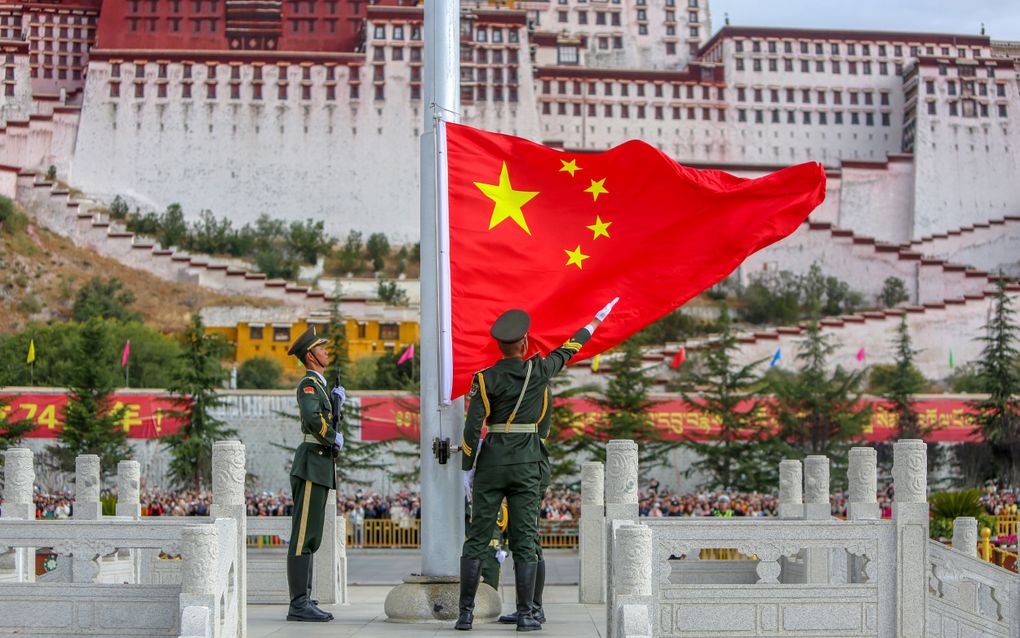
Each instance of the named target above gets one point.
<point>407,356</point>
<point>30,359</point>
<point>860,356</point>
<point>127,352</point>
<point>776,357</point>
<point>595,363</point>
<point>576,230</point>
<point>952,364</point>
<point>679,358</point>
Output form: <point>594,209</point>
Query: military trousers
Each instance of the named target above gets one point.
<point>519,484</point>
<point>309,516</point>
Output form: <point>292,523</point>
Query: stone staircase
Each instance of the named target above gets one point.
<point>992,245</point>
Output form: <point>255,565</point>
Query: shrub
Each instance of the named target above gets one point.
<point>12,221</point>
<point>259,373</point>
<point>882,376</point>
<point>108,299</point>
<point>955,504</point>
<point>894,292</point>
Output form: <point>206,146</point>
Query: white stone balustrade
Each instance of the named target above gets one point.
<point>910,511</point>
<point>791,489</point>
<point>632,580</point>
<point>965,535</point>
<point>228,473</point>
<point>592,535</point>
<point>621,494</point>
<point>19,479</point>
<point>129,489</point>
<point>862,476</point>
<point>86,488</point>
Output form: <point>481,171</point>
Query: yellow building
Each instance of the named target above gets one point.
<point>373,329</point>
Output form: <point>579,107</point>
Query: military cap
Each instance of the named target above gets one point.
<point>511,326</point>
<point>304,344</point>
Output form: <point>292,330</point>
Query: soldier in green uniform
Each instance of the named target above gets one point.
<point>312,474</point>
<point>512,398</point>
<point>493,562</point>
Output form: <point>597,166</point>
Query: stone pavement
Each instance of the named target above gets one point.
<point>389,566</point>
<point>365,617</point>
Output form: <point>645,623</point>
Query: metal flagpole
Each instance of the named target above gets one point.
<point>442,491</point>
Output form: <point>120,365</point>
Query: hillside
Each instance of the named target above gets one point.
<point>41,272</point>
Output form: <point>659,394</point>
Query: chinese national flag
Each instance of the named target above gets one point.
<point>561,234</point>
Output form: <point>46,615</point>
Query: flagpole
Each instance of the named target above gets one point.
<point>442,520</point>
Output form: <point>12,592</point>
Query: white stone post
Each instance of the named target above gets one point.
<point>910,510</point>
<point>228,472</point>
<point>965,535</point>
<point>862,477</point>
<point>791,489</point>
<point>200,546</point>
<point>632,582</point>
<point>128,489</point>
<point>817,507</point>
<point>621,492</point>
<point>86,488</point>
<point>592,535</point>
<point>19,479</point>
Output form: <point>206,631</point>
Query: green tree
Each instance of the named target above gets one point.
<point>998,415</point>
<point>119,208</point>
<point>12,220</point>
<point>194,388</point>
<point>378,250</point>
<point>675,326</point>
<point>105,299</point>
<point>883,376</point>
<point>894,292</point>
<point>172,229</point>
<point>11,431</point>
<point>390,292</point>
<point>259,373</point>
<point>740,455</point>
<point>91,422</point>
<point>818,412</point>
<point>349,257</point>
<point>903,385</point>
<point>566,431</point>
<point>307,240</point>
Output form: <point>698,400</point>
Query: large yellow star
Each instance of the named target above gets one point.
<point>597,188</point>
<point>600,228</point>
<point>570,167</point>
<point>575,256</point>
<point>508,201</point>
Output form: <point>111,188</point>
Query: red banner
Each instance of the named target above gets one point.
<point>146,416</point>
<point>385,418</point>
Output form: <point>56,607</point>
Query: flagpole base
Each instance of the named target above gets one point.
<point>434,599</point>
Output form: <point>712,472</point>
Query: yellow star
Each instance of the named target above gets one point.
<point>508,201</point>
<point>600,228</point>
<point>570,167</point>
<point>596,189</point>
<point>575,257</point>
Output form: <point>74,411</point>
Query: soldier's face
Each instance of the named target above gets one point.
<point>319,356</point>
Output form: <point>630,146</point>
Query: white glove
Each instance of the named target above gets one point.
<point>340,392</point>
<point>501,556</point>
<point>602,314</point>
<point>469,479</point>
<point>339,440</point>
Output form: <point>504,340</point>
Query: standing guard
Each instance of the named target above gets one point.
<point>312,475</point>
<point>512,398</point>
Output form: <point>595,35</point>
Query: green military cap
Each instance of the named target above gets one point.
<point>511,326</point>
<point>303,344</point>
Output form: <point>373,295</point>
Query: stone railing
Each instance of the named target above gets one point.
<point>108,579</point>
<point>803,573</point>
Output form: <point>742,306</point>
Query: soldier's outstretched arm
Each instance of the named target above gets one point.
<point>558,358</point>
<point>313,416</point>
<point>478,410</point>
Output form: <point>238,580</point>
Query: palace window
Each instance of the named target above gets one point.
<point>281,333</point>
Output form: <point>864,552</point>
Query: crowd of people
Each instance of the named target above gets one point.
<point>558,504</point>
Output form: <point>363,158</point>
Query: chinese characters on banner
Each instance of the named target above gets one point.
<point>386,417</point>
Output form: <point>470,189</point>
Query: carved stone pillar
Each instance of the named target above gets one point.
<point>200,546</point>
<point>632,581</point>
<point>965,535</point>
<point>19,477</point>
<point>791,489</point>
<point>910,510</point>
<point>816,488</point>
<point>128,489</point>
<point>862,476</point>
<point>621,490</point>
<point>228,473</point>
<point>86,488</point>
<point>592,535</point>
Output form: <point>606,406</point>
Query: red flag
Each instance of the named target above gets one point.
<point>124,355</point>
<point>678,358</point>
<point>561,234</point>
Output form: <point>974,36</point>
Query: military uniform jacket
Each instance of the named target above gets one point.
<point>494,393</point>
<point>314,461</point>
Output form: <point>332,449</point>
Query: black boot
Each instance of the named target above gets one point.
<point>311,580</point>
<point>536,607</point>
<point>470,572</point>
<point>297,581</point>
<point>525,580</point>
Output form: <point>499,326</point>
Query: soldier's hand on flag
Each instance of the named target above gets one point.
<point>602,314</point>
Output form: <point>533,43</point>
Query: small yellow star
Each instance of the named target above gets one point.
<point>600,228</point>
<point>570,167</point>
<point>575,257</point>
<point>597,188</point>
<point>508,201</point>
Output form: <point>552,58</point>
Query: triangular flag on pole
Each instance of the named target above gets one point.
<point>126,353</point>
<point>952,364</point>
<point>776,357</point>
<point>595,363</point>
<point>860,355</point>
<point>679,358</point>
<point>407,356</point>
<point>31,352</point>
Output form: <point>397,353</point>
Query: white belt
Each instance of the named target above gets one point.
<point>515,428</point>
